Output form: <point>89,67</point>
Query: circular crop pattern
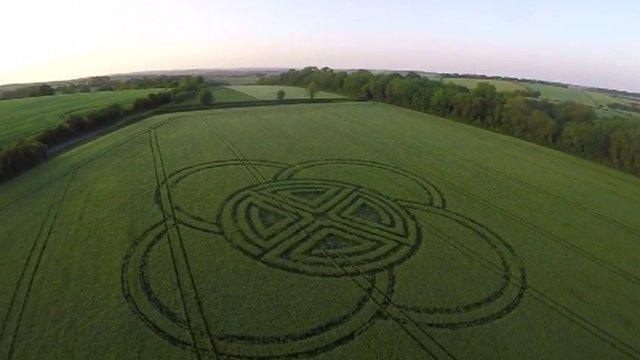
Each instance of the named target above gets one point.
<point>314,219</point>
<point>319,227</point>
<point>175,328</point>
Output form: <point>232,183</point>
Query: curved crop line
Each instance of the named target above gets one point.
<point>541,297</point>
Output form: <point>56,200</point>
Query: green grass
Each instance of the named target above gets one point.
<point>501,85</point>
<point>102,279</point>
<point>20,118</point>
<point>268,92</point>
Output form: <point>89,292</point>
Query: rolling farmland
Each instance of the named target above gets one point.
<point>556,93</point>
<point>349,230</point>
<point>597,100</point>
<point>23,117</point>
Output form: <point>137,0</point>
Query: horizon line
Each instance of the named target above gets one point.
<point>285,68</point>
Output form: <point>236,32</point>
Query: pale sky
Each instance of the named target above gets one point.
<point>576,41</point>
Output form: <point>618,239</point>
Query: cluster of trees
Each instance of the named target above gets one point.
<point>21,157</point>
<point>152,101</point>
<point>76,125</point>
<point>106,83</point>
<point>28,91</point>
<point>190,84</point>
<point>26,154</point>
<point>569,126</point>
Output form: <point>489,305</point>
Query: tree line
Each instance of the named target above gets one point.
<point>106,83</point>
<point>28,91</point>
<point>24,155</point>
<point>568,126</point>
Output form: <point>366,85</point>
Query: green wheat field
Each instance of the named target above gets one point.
<point>346,230</point>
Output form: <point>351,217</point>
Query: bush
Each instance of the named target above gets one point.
<point>21,157</point>
<point>152,101</point>
<point>56,135</point>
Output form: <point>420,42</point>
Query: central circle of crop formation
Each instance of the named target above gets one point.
<point>319,227</point>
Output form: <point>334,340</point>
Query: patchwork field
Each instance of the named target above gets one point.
<point>262,92</point>
<point>501,85</point>
<point>226,94</point>
<point>348,230</point>
<point>23,117</point>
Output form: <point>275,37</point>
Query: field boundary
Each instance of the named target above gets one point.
<point>56,150</point>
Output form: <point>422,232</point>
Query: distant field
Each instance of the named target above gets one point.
<point>556,93</point>
<point>328,231</point>
<point>226,94</point>
<point>608,113</point>
<point>501,85</point>
<point>269,92</point>
<point>23,117</point>
<point>605,99</point>
<point>589,98</point>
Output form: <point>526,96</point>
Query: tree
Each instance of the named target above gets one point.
<point>541,127</point>
<point>190,83</point>
<point>572,111</point>
<point>43,90</point>
<point>313,89</point>
<point>206,97</point>
<point>281,94</point>
<point>516,111</point>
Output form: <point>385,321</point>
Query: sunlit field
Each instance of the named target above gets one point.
<point>347,230</point>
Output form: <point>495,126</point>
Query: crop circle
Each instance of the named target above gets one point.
<point>319,227</point>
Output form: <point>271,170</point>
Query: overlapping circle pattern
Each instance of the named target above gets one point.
<point>324,228</point>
